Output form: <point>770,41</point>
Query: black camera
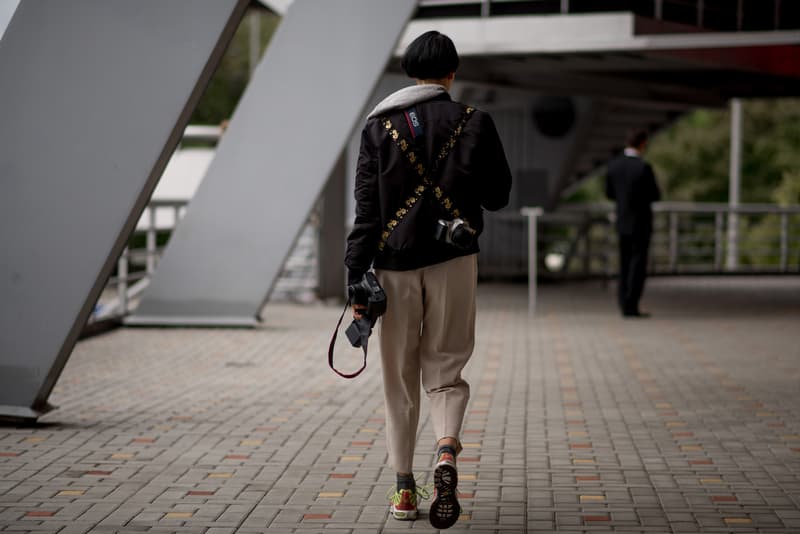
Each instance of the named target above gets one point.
<point>367,292</point>
<point>456,232</point>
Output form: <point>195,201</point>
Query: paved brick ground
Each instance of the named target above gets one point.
<point>580,421</point>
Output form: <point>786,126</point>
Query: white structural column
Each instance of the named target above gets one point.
<point>129,74</point>
<point>734,185</point>
<point>7,8</point>
<point>284,140</point>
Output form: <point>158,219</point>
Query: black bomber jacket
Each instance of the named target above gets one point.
<point>395,224</point>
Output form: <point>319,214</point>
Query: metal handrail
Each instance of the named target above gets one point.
<point>712,233</point>
<point>130,284</point>
<point>701,248</point>
<point>685,207</point>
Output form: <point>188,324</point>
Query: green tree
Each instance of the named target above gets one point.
<point>691,157</point>
<point>229,81</point>
<point>691,160</point>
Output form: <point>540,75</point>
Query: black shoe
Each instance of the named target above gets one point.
<point>445,508</point>
<point>636,314</point>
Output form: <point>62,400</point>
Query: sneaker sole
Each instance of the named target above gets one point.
<point>445,508</point>
<point>404,515</point>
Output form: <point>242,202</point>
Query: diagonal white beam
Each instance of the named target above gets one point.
<point>283,141</point>
<point>129,75</point>
<point>7,8</point>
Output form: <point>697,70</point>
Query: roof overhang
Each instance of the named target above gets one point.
<point>603,55</point>
<point>575,33</point>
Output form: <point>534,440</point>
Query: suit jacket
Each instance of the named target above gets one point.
<point>630,181</point>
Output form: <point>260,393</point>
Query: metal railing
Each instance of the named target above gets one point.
<point>577,241</point>
<point>580,241</point>
<point>297,281</point>
<point>138,260</point>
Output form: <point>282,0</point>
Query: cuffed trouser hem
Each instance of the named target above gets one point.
<point>427,332</point>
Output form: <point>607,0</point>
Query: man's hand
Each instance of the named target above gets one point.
<point>358,311</point>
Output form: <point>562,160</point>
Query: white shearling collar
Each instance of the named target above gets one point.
<point>406,97</point>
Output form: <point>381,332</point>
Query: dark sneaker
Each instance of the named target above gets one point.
<point>445,508</point>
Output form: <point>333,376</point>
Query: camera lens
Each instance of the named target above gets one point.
<point>461,237</point>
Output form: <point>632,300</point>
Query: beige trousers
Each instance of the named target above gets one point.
<point>427,332</point>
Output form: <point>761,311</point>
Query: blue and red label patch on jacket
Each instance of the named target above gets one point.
<point>414,123</point>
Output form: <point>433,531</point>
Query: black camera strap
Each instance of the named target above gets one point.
<point>333,342</point>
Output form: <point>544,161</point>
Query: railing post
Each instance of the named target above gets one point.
<point>486,8</point>
<point>719,225</point>
<point>732,260</point>
<point>533,220</point>
<point>784,242</point>
<point>735,184</point>
<point>673,241</point>
<point>659,9</point>
<point>151,240</point>
<point>587,259</point>
<point>564,6</point>
<point>609,248</point>
<point>122,281</point>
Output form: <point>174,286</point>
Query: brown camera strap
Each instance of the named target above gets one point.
<point>427,176</point>
<point>333,342</point>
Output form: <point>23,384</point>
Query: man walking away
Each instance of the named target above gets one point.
<point>630,181</point>
<point>427,169</point>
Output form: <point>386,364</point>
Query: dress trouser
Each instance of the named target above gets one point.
<point>427,332</point>
<point>632,270</point>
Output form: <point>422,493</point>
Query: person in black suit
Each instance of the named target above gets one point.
<point>630,182</point>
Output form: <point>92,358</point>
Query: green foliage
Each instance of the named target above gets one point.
<point>788,191</point>
<point>592,190</point>
<point>691,157</point>
<point>229,81</point>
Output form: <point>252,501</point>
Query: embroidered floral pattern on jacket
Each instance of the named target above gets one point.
<point>422,171</point>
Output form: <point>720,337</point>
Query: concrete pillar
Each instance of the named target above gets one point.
<point>332,234</point>
<point>7,8</point>
<point>131,73</point>
<point>284,139</point>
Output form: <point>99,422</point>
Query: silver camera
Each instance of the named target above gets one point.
<point>456,232</point>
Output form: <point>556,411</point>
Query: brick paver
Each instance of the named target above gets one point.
<point>579,421</point>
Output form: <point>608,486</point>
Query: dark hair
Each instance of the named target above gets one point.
<point>637,137</point>
<point>431,56</point>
